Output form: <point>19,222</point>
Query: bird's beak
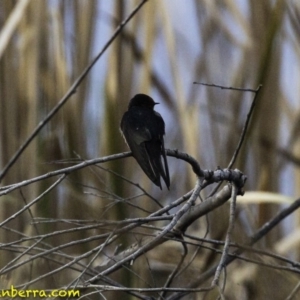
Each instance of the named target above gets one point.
<point>156,103</point>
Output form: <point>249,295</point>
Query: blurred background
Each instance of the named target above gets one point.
<point>166,47</point>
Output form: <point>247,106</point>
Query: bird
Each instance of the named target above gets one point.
<point>143,129</point>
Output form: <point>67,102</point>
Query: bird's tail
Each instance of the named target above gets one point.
<point>158,168</point>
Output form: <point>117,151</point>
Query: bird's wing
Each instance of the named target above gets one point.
<point>165,171</point>
<point>155,150</point>
<point>136,138</point>
<point>163,168</point>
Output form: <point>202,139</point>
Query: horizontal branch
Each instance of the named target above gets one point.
<point>228,87</point>
<point>7,189</point>
<point>209,176</point>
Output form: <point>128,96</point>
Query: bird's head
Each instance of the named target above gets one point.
<point>142,100</point>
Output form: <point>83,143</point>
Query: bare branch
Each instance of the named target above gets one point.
<point>226,87</point>
<point>179,222</point>
<point>267,227</point>
<point>245,128</point>
<point>228,236</point>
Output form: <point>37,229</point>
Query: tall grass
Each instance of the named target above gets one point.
<point>45,45</point>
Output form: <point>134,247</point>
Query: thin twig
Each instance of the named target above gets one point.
<point>228,236</point>
<point>7,189</point>
<point>245,128</point>
<point>189,159</point>
<point>137,185</point>
<point>293,292</point>
<point>145,290</point>
<point>226,87</point>
<point>25,207</point>
<point>175,271</point>
<point>37,232</point>
<point>243,134</point>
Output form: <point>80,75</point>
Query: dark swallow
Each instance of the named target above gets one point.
<point>143,129</point>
